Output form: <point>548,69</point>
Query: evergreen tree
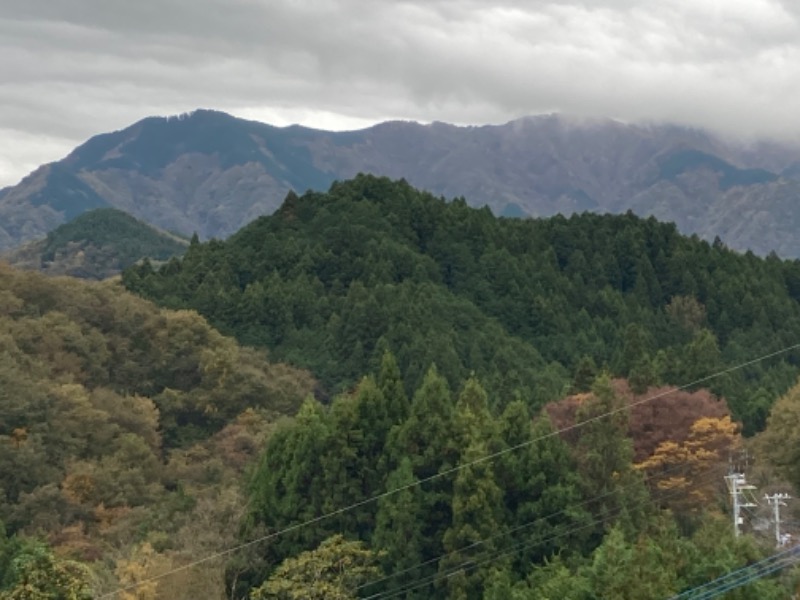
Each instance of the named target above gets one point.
<point>288,486</point>
<point>474,422</point>
<point>399,535</point>
<point>585,374</point>
<point>390,382</point>
<point>541,488</point>
<point>605,455</point>
<point>477,521</point>
<point>428,439</point>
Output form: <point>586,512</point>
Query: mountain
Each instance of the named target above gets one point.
<point>97,244</point>
<point>210,173</point>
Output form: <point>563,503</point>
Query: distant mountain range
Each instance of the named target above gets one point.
<point>211,173</point>
<point>95,245</point>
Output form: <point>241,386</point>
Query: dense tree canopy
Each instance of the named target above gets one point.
<point>483,426</point>
<point>122,424</point>
<point>481,504</point>
<point>333,279</point>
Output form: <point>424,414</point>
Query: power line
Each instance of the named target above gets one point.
<point>519,547</point>
<point>526,525</point>
<point>489,457</point>
<point>750,577</point>
<point>741,576</point>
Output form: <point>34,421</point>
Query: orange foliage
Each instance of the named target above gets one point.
<point>695,465</point>
<point>669,416</point>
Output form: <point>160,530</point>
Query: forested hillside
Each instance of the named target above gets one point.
<point>334,279</point>
<point>486,412</point>
<point>124,432</point>
<point>471,503</point>
<point>97,244</point>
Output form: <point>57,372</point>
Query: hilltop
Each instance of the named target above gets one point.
<point>332,280</point>
<point>97,244</point>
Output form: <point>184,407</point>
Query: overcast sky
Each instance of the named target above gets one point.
<point>70,69</point>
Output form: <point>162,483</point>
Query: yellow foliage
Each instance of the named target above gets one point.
<point>78,487</point>
<point>689,465</point>
<point>135,573</point>
<point>19,436</point>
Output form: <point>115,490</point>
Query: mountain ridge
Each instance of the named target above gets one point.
<point>209,172</point>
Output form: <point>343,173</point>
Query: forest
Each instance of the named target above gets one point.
<point>332,281</point>
<point>377,393</point>
<point>97,244</point>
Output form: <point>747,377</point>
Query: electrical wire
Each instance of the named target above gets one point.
<point>787,562</point>
<point>741,576</point>
<point>703,588</point>
<point>526,525</point>
<point>519,547</point>
<point>489,457</point>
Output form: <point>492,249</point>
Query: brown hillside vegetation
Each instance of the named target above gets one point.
<point>125,428</point>
<point>682,441</point>
<point>669,417</point>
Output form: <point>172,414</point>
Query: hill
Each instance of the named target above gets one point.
<point>97,244</point>
<point>332,280</point>
<point>122,423</point>
<point>212,173</point>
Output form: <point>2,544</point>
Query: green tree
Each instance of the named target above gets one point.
<point>36,574</point>
<point>553,580</point>
<point>541,487</point>
<point>428,438</point>
<point>477,507</point>
<point>605,455</point>
<point>288,487</point>
<point>642,571</point>
<point>333,571</point>
<point>398,534</point>
<point>390,382</point>
<point>585,374</point>
<point>779,443</point>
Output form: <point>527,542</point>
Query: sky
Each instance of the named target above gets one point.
<point>70,69</point>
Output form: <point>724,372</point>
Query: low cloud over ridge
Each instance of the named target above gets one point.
<point>79,67</point>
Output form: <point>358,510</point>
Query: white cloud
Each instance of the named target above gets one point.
<point>75,68</point>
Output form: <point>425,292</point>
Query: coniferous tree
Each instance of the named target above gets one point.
<point>428,438</point>
<point>541,488</point>
<point>399,535</point>
<point>288,486</point>
<point>477,521</point>
<point>605,460</point>
<point>390,382</point>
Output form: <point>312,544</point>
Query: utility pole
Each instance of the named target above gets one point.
<point>777,500</point>
<point>736,485</point>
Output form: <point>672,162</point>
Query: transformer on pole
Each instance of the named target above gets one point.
<point>736,485</point>
<point>777,500</point>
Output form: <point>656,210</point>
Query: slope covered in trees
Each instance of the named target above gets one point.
<point>530,306</point>
<point>96,245</point>
<point>124,432</point>
<point>137,440</point>
<point>453,500</point>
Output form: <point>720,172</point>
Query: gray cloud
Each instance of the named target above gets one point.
<point>74,68</point>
